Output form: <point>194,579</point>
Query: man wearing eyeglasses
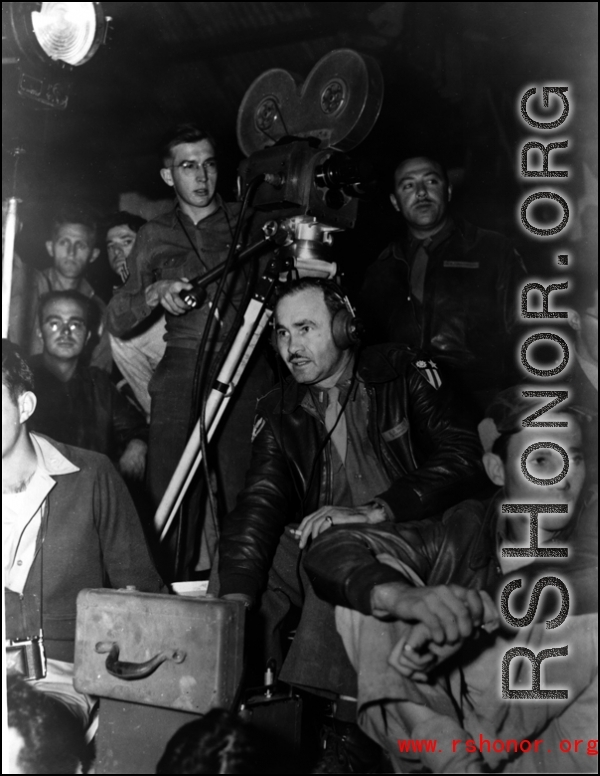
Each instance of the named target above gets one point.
<point>170,250</point>
<point>77,404</point>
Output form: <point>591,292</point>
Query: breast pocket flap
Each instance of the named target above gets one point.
<point>396,432</point>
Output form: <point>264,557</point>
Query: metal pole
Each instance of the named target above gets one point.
<point>8,254</point>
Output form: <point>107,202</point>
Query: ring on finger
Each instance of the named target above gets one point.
<point>329,519</point>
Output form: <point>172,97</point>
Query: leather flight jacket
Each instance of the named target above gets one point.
<point>469,317</point>
<point>422,435</point>
<point>461,548</point>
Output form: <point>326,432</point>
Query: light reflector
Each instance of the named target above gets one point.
<point>67,31</point>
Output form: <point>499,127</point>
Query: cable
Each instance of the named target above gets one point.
<point>302,499</point>
<point>330,432</point>
<point>201,387</point>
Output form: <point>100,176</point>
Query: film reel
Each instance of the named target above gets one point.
<point>338,104</point>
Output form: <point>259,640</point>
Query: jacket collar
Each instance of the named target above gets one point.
<point>373,367</point>
<point>458,226</point>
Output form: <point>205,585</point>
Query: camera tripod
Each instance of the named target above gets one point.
<point>256,317</point>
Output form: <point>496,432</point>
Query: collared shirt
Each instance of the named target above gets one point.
<point>360,477</point>
<point>170,247</point>
<point>22,513</point>
<point>417,254</point>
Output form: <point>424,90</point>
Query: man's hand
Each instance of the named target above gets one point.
<point>132,463</point>
<point>415,655</point>
<point>324,518</point>
<point>450,612</point>
<point>166,293</point>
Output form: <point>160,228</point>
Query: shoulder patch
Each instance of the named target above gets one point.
<point>259,424</point>
<point>428,369</point>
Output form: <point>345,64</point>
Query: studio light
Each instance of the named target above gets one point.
<point>69,32</point>
<point>59,33</point>
<point>43,38</point>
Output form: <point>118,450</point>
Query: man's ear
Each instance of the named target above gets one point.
<point>38,331</point>
<point>167,175</point>
<point>27,405</point>
<point>94,256</point>
<point>394,202</point>
<point>574,319</point>
<point>449,192</point>
<point>50,248</point>
<point>494,468</point>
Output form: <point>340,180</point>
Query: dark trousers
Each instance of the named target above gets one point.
<point>171,413</point>
<point>316,659</point>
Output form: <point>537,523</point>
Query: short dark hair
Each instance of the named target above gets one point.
<point>16,374</point>
<point>333,294</point>
<point>75,215</point>
<point>53,738</point>
<point>218,743</point>
<point>188,132</point>
<point>420,155</point>
<point>504,416</point>
<point>70,295</point>
<point>123,218</point>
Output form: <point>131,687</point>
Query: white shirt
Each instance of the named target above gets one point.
<point>22,513</point>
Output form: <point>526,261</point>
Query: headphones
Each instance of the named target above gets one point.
<point>346,328</point>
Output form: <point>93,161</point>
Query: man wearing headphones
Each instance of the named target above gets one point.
<point>351,438</point>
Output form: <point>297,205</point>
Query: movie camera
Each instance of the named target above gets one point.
<point>296,137</point>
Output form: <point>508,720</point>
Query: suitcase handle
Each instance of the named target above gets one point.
<point>129,671</point>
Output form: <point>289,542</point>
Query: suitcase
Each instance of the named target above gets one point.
<point>195,643</point>
<point>156,662</point>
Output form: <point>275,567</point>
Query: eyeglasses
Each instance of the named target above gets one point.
<point>190,166</point>
<point>55,325</point>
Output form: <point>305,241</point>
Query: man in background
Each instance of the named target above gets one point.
<point>446,286</point>
<point>72,248</point>
<point>136,355</point>
<point>78,404</point>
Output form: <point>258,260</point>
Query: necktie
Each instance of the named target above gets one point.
<point>419,268</point>
<point>339,436</point>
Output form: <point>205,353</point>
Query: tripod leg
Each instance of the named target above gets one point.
<point>255,319</point>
